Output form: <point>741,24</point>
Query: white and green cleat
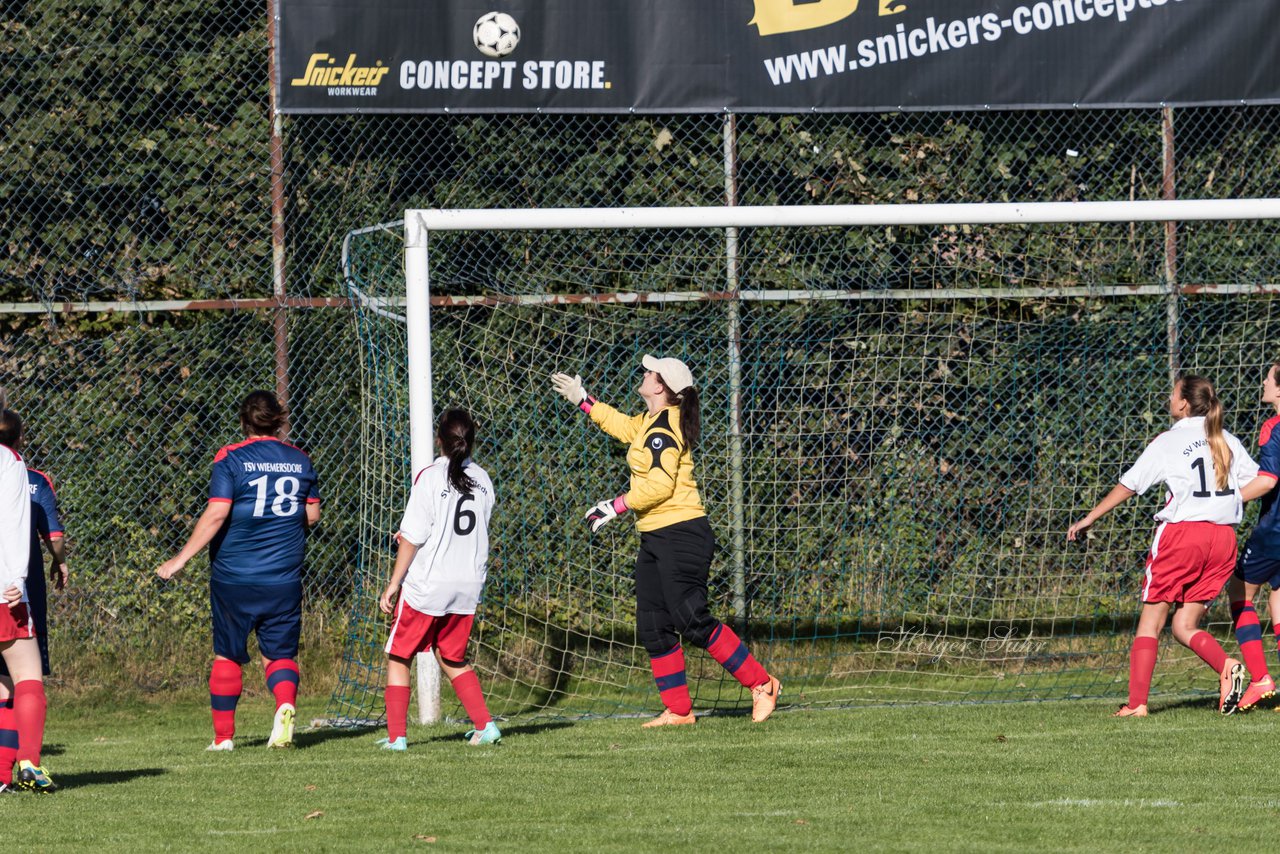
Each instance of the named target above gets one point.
<point>399,743</point>
<point>489,735</point>
<point>282,727</point>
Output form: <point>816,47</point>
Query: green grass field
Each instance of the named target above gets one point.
<point>1049,776</point>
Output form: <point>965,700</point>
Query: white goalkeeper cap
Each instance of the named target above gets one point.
<point>675,373</point>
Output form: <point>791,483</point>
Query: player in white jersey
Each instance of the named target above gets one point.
<point>1194,551</point>
<point>438,578</point>
<point>18,644</point>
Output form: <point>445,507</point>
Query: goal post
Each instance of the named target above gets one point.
<point>421,418</point>
<point>895,515</point>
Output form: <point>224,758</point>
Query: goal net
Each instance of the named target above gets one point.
<point>902,414</point>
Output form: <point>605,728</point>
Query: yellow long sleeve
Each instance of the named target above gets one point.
<point>663,490</point>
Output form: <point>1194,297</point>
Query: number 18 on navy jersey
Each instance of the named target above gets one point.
<point>268,484</point>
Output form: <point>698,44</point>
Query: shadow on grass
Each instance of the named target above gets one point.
<point>311,738</point>
<point>532,728</point>
<point>1207,703</point>
<point>104,778</point>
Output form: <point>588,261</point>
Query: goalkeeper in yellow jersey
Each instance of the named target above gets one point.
<point>676,542</point>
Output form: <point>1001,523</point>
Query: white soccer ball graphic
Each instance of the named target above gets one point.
<point>496,34</point>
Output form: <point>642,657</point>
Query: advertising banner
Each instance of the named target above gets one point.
<point>673,56</point>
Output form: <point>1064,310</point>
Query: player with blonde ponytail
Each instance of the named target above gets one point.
<point>1194,550</point>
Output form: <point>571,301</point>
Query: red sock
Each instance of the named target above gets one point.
<point>1142,663</point>
<point>1275,628</point>
<point>282,680</point>
<point>467,687</point>
<point>673,686</point>
<point>1210,651</point>
<point>397,700</point>
<point>1249,636</point>
<point>8,741</point>
<point>29,706</point>
<point>225,684</point>
<point>728,649</point>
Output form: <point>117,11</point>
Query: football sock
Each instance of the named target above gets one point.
<point>673,686</point>
<point>1249,636</point>
<point>8,741</point>
<point>225,684</point>
<point>1275,628</point>
<point>282,680</point>
<point>397,700</point>
<point>467,687</point>
<point>29,707</point>
<point>728,649</point>
<point>1210,651</point>
<point>1142,663</point>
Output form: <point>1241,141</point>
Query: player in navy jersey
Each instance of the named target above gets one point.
<point>263,497</point>
<point>47,533</point>
<point>1260,563</point>
<point>439,574</point>
<point>1194,550</point>
<point>22,723</point>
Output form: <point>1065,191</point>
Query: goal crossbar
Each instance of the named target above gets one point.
<point>1164,210</point>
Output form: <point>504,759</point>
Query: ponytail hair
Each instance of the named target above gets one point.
<point>262,415</point>
<point>457,435</point>
<point>690,414</point>
<point>1199,394</point>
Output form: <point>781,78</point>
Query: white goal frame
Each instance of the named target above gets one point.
<point>420,223</point>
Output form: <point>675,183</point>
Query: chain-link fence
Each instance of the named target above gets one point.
<point>137,178</point>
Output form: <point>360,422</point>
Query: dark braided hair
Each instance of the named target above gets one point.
<point>457,434</point>
<point>690,414</point>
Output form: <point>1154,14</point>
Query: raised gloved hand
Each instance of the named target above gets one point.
<point>571,388</point>
<point>605,512</point>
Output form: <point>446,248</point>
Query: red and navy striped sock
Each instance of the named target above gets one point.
<point>1210,651</point>
<point>1249,635</point>
<point>1142,663</point>
<point>397,700</point>
<point>282,681</point>
<point>728,649</point>
<point>8,741</point>
<point>467,687</point>
<point>29,707</point>
<point>225,685</point>
<point>673,684</point>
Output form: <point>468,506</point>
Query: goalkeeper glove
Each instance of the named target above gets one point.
<point>570,387</point>
<point>605,512</point>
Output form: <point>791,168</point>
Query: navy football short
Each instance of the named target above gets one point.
<point>1259,567</point>
<point>272,611</point>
